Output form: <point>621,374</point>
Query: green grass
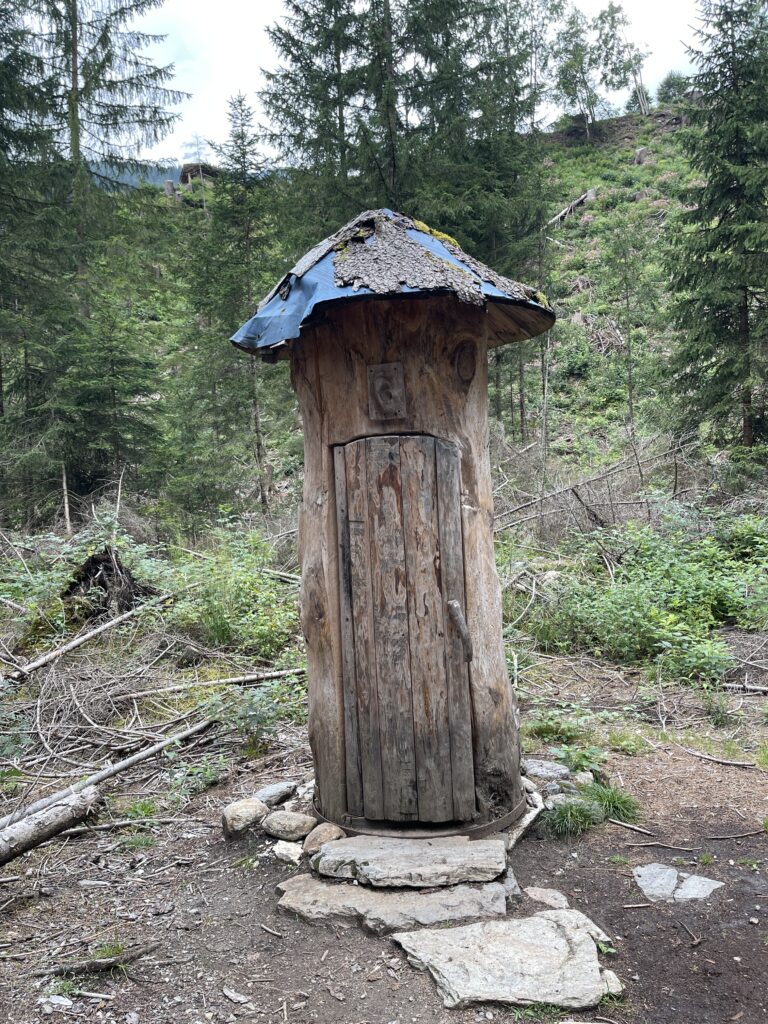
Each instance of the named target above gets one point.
<point>705,858</point>
<point>612,801</point>
<point>107,950</point>
<point>579,759</point>
<point>572,819</point>
<point>620,860</point>
<point>552,727</point>
<point>624,741</point>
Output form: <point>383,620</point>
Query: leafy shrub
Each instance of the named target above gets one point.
<point>555,728</point>
<point>579,759</point>
<point>668,591</point>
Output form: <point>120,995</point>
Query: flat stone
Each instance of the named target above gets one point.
<point>657,881</point>
<point>584,778</point>
<point>382,912</point>
<point>289,853</point>
<point>277,793</point>
<point>695,887</point>
<point>661,883</point>
<point>415,863</point>
<point>548,958</point>
<point>549,897</point>
<point>288,825</point>
<point>323,833</point>
<point>549,771</point>
<point>241,815</point>
<point>517,831</point>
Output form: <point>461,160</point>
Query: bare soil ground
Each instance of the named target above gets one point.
<point>212,905</point>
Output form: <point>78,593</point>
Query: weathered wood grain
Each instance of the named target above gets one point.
<point>456,669</point>
<point>426,631</point>
<point>353,767</point>
<point>362,615</point>
<point>390,603</point>
<point>329,371</point>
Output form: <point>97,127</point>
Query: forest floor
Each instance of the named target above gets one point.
<point>226,953</point>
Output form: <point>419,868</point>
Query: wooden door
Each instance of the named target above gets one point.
<point>408,716</point>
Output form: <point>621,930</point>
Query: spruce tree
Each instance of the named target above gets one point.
<point>719,255</point>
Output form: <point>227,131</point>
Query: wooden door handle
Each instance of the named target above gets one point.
<point>457,615</point>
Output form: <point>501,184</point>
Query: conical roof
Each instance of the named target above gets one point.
<point>381,253</point>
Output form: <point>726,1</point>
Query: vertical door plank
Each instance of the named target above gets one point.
<point>426,629</point>
<point>390,604</point>
<point>351,740</point>
<point>456,668</point>
<point>362,620</point>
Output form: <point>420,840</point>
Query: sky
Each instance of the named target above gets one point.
<point>219,47</point>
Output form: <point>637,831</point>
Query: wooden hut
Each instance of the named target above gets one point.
<point>412,718</point>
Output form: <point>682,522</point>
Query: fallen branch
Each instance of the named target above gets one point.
<point>15,607</point>
<point>105,773</point>
<point>99,963</point>
<point>666,846</point>
<point>108,826</point>
<point>35,828</point>
<point>46,659</point>
<point>740,835</point>
<point>192,684</point>
<point>718,760</point>
<point>573,205</point>
<point>633,828</point>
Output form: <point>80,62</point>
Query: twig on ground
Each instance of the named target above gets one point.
<point>104,963</point>
<point>633,828</point>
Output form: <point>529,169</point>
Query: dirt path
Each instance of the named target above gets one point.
<point>213,908</point>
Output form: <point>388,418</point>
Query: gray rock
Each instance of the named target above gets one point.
<point>242,815</point>
<point>695,887</point>
<point>288,825</point>
<point>511,889</point>
<point>518,830</point>
<point>551,789</point>
<point>323,833</point>
<point>529,785</point>
<point>412,862</point>
<point>277,793</point>
<point>583,778</point>
<point>657,881</point>
<point>661,883</point>
<point>549,897</point>
<point>382,912</point>
<point>548,958</point>
<point>549,771</point>
<point>289,853</point>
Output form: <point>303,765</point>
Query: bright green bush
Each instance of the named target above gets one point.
<point>666,593</point>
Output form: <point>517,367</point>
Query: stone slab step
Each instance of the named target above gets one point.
<point>381,911</point>
<point>416,863</point>
<point>548,958</point>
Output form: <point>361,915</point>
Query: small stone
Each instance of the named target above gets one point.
<point>754,920</point>
<point>549,897</point>
<point>549,771</point>
<point>289,825</point>
<point>289,853</point>
<point>241,815</point>
<point>325,832</point>
<point>583,778</point>
<point>511,887</point>
<point>529,785</point>
<point>277,793</point>
<point>551,789</point>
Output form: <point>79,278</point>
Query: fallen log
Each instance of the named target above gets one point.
<point>34,829</point>
<point>105,773</point>
<point>192,684</point>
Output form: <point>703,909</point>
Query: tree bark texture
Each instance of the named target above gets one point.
<point>442,347</point>
<point>33,830</point>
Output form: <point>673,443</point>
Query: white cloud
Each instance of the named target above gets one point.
<point>220,46</point>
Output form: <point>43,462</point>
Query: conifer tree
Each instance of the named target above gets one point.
<point>719,256</point>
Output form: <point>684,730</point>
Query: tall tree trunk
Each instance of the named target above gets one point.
<point>257,434</point>
<point>747,410</point>
<point>521,392</point>
<point>497,383</point>
<point>389,102</point>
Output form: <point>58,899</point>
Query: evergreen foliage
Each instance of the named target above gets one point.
<point>719,254</point>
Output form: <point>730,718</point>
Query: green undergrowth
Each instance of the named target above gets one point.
<point>637,595</point>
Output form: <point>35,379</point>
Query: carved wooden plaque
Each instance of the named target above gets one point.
<point>386,392</point>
